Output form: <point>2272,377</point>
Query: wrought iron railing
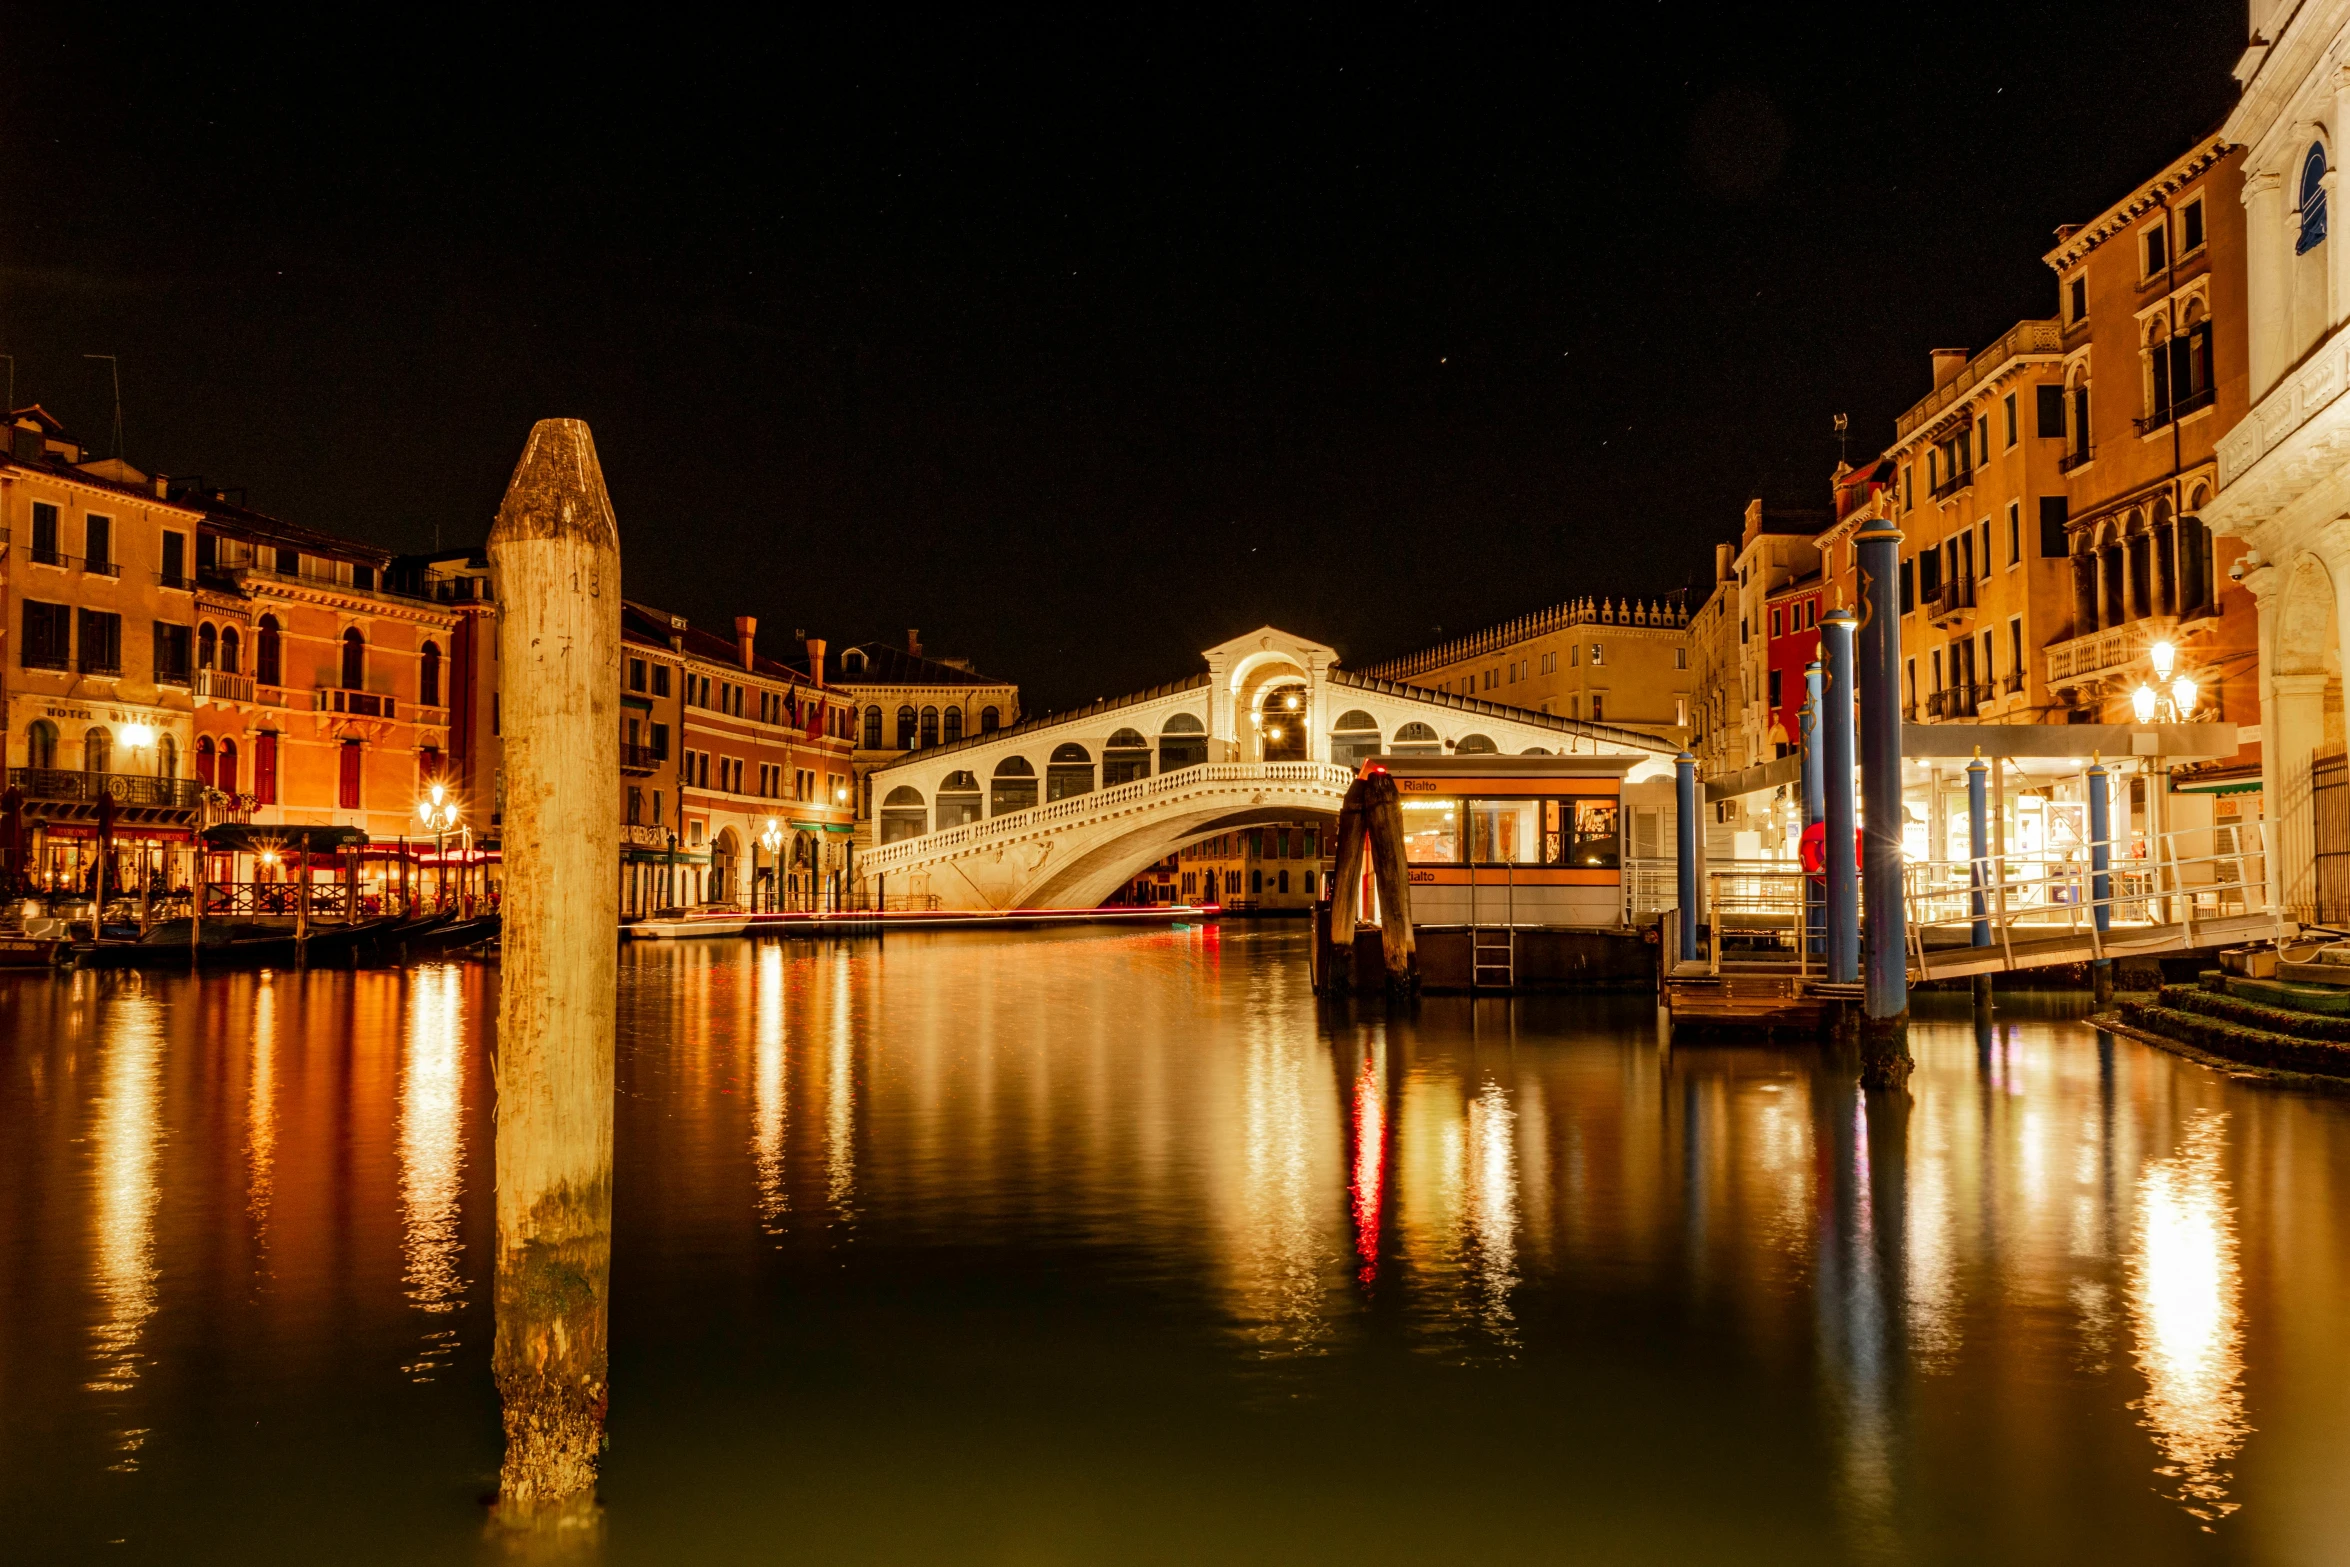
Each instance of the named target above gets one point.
<point>61,784</point>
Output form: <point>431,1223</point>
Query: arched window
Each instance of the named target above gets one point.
<point>929,727</point>
<point>207,646</point>
<point>873,729</point>
<point>905,729</point>
<point>1416,739</point>
<point>40,745</point>
<point>1354,737</point>
<point>903,815</point>
<point>167,757</point>
<point>1183,742</point>
<point>98,750</point>
<point>225,777</point>
<point>988,722</point>
<point>1125,758</point>
<point>2080,402</point>
<point>266,659</point>
<point>1475,745</point>
<point>1070,772</point>
<point>354,660</point>
<point>2313,199</point>
<point>204,760</point>
<point>229,647</point>
<point>428,676</point>
<point>958,800</point>
<point>852,662</point>
<point>1013,788</point>
<point>954,724</point>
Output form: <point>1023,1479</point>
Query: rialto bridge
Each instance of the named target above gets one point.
<point>1062,810</point>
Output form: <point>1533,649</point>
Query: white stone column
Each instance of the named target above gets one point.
<point>2268,285</point>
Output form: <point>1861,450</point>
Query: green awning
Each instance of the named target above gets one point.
<point>2232,786</point>
<point>825,826</point>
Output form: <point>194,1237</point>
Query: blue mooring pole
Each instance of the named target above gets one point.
<point>1815,805</point>
<point>1885,1061</point>
<point>2101,874</point>
<point>1835,724</point>
<point>1978,843</point>
<point>1685,849</point>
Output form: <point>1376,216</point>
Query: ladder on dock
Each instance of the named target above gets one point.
<point>1493,954</point>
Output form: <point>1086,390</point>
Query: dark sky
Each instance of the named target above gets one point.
<point>1081,345</point>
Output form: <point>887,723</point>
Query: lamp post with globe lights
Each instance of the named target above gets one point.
<point>437,813</point>
<point>2169,699</point>
<point>770,839</point>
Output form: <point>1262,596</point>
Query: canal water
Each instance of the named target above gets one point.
<point>1109,1247</point>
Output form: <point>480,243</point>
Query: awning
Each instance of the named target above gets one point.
<point>249,838</point>
<point>2232,786</point>
<point>825,826</point>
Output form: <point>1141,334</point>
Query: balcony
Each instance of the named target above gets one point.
<point>2098,651</point>
<point>1982,696</point>
<point>2192,403</point>
<point>639,758</point>
<point>1951,600</point>
<point>2076,459</point>
<point>459,590</point>
<point>219,685</point>
<point>2013,682</point>
<point>179,581</point>
<point>427,715</point>
<point>1952,485</point>
<point>357,704</point>
<point>57,785</point>
<point>1936,701</point>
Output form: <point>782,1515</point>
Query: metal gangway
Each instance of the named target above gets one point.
<point>2179,891</point>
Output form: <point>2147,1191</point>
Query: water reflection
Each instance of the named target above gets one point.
<point>261,1109</point>
<point>1283,1266</point>
<point>770,1092</point>
<point>840,1101</point>
<point>2184,1303</point>
<point>125,1133</point>
<point>432,1156</point>
<point>1367,1173</point>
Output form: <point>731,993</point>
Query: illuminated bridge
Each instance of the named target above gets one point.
<point>1062,810</point>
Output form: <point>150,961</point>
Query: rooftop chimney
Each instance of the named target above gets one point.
<point>914,643</point>
<point>816,660</point>
<point>745,630</point>
<point>1947,363</point>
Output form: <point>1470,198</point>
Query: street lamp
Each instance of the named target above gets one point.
<point>437,814</point>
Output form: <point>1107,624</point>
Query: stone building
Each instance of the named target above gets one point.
<point>1614,662</point>
<point>907,701</point>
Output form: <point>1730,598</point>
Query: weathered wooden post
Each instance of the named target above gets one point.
<point>197,875</point>
<point>1383,828</point>
<point>1346,892</point>
<point>302,904</point>
<point>1885,1059</point>
<point>556,552</point>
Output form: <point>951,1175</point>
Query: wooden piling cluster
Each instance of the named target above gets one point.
<point>1370,822</point>
<point>557,553</point>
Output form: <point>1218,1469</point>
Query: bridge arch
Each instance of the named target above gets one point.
<point>1416,739</point>
<point>958,800</point>
<point>1476,745</point>
<point>1353,737</point>
<point>1127,756</point>
<point>1069,772</point>
<point>1013,788</point>
<point>903,814</point>
<point>1183,742</point>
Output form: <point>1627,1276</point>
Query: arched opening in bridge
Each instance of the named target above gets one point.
<point>1013,788</point>
<point>1535,750</point>
<point>1353,737</point>
<point>1476,745</point>
<point>903,814</point>
<point>1070,772</point>
<point>1183,742</point>
<point>1416,739</point>
<point>1281,726</point>
<point>958,800</point>
<point>1126,758</point>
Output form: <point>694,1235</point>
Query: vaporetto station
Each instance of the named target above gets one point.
<point>1061,811</point>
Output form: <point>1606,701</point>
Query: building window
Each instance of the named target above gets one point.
<point>2157,249</point>
<point>2011,419</point>
<point>1680,658</point>
<point>100,633</point>
<point>225,777</point>
<point>2015,532</point>
<point>428,675</point>
<point>98,544</point>
<point>171,654</point>
<point>207,647</point>
<point>175,560</point>
<point>2079,298</point>
<point>2313,200</point>
<point>347,794</point>
<point>264,768</point>
<point>48,635</point>
<point>953,720</point>
<point>660,680</point>
<point>45,534</point>
<point>2054,510</point>
<point>636,674</point>
<point>2191,228</point>
<point>929,727</point>
<point>873,729</point>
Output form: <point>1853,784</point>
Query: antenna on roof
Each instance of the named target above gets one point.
<point>115,367</point>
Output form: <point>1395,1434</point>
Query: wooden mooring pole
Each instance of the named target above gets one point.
<point>1346,894</point>
<point>556,552</point>
<point>1383,830</point>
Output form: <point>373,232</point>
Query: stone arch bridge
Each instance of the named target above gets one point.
<point>1060,811</point>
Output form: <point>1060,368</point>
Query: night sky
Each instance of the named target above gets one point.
<point>1079,345</point>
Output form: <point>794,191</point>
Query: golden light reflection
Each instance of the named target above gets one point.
<point>261,1108</point>
<point>840,1105</point>
<point>2185,1305</point>
<point>1492,1216</point>
<point>124,1137</point>
<point>432,1157</point>
<point>770,1105</point>
<point>1281,1254</point>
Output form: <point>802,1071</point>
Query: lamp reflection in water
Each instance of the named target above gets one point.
<point>1491,1228</point>
<point>1367,1181</point>
<point>125,1136</point>
<point>432,1158</point>
<point>770,1105</point>
<point>840,1110</point>
<point>2185,1302</point>
<point>261,1110</point>
<point>1283,1256</point>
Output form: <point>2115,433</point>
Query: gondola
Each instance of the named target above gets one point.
<point>455,934</point>
<point>229,943</point>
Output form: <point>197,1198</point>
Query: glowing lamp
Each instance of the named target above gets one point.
<point>439,792</point>
<point>2142,703</point>
<point>1291,704</point>
<point>1273,733</point>
<point>2183,692</point>
<point>136,734</point>
<point>2165,656</point>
